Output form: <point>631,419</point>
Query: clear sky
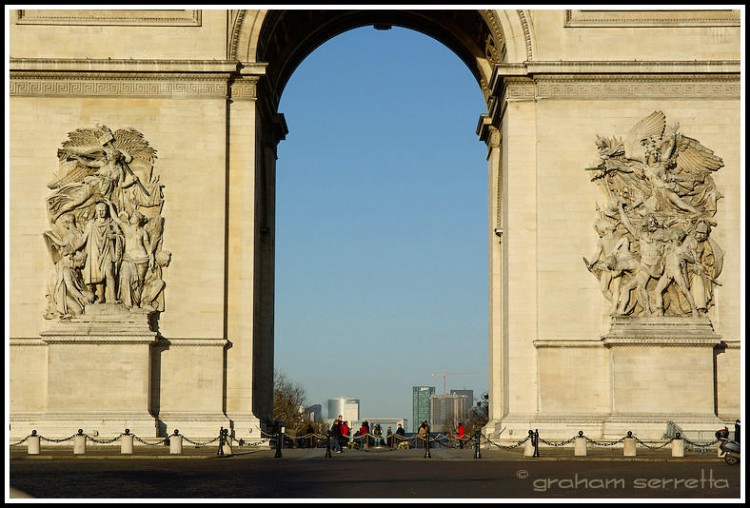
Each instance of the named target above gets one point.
<point>381,223</point>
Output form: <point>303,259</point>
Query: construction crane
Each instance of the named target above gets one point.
<point>444,375</point>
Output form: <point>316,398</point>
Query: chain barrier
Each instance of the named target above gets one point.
<point>652,447</point>
<point>393,442</point>
<point>22,440</point>
<point>701,447</point>
<point>57,440</point>
<point>516,445</point>
<point>603,443</point>
<point>103,441</point>
<point>163,441</point>
<point>561,443</point>
<point>197,444</point>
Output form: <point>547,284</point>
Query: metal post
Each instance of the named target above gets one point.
<point>536,442</point>
<point>477,453</point>
<point>328,444</point>
<point>279,440</point>
<point>427,447</point>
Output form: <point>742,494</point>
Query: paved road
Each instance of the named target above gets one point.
<point>403,474</point>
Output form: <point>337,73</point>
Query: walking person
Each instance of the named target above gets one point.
<point>336,434</point>
<point>460,434</point>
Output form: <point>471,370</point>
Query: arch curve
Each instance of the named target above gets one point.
<point>283,38</point>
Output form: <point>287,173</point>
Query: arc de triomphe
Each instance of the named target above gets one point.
<point>142,149</point>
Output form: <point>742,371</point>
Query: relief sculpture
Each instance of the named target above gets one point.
<point>655,255</point>
<point>106,230</point>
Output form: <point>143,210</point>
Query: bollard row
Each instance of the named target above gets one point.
<point>127,439</point>
<point>629,442</point>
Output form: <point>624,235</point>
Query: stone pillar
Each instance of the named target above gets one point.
<point>34,447</point>
<point>243,227</point>
<point>79,444</point>
<point>678,447</point>
<point>580,446</point>
<point>175,444</point>
<point>492,136</point>
<point>628,447</point>
<point>126,444</point>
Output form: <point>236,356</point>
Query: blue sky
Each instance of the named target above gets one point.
<point>381,223</point>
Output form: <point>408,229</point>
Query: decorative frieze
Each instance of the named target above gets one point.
<point>111,17</point>
<point>88,85</point>
<point>244,89</point>
<point>600,18</point>
<point>638,87</point>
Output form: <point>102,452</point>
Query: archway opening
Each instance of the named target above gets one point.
<point>381,223</point>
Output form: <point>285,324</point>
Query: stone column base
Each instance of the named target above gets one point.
<point>200,427</point>
<point>97,424</point>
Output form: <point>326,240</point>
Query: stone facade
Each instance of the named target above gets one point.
<point>202,88</point>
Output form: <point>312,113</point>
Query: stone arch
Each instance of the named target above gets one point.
<point>283,39</point>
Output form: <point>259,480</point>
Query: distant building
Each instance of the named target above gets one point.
<point>314,413</point>
<point>344,406</point>
<point>420,405</point>
<point>448,409</point>
<point>468,393</point>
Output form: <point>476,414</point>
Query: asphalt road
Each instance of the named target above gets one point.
<point>308,474</point>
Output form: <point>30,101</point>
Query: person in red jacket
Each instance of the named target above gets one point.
<point>363,431</point>
<point>460,433</point>
<point>344,428</point>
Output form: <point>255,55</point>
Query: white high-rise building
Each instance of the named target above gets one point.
<point>344,406</point>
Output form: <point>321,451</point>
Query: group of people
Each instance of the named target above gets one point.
<point>341,435</point>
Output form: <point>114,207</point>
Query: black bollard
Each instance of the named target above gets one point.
<point>427,447</point>
<point>477,453</point>
<point>535,442</point>
<point>328,444</point>
<point>279,439</point>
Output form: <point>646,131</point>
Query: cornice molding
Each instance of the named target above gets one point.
<point>124,65</point>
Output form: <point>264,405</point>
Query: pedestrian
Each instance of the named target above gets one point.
<point>401,436</point>
<point>424,429</point>
<point>336,434</point>
<point>460,434</point>
<point>345,433</point>
<point>364,430</point>
<point>377,431</point>
<point>389,436</point>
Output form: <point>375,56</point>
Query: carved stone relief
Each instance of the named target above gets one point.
<point>106,234</point>
<point>655,255</point>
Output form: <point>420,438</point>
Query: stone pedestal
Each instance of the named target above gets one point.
<point>175,445</point>
<point>643,374</point>
<point>98,375</point>
<point>580,447</point>
<point>628,447</point>
<point>126,444</point>
<point>662,370</point>
<point>678,447</point>
<point>34,447</point>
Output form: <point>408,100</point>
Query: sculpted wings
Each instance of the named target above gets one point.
<point>651,130</point>
<point>133,142</point>
<point>694,159</point>
<point>653,126</point>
